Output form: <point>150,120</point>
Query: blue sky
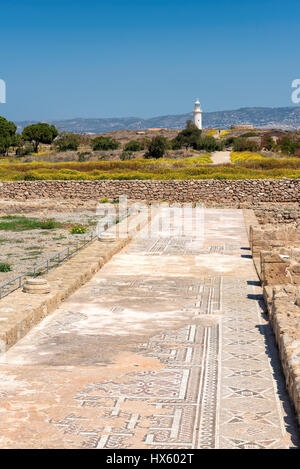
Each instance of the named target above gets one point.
<point>111,58</point>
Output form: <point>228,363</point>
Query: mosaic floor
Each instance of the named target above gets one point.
<point>166,347</point>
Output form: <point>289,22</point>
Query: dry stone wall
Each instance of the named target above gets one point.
<point>276,254</point>
<point>283,304</point>
<point>248,191</point>
<point>266,237</point>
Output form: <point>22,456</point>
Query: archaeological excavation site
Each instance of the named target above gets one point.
<point>171,322</point>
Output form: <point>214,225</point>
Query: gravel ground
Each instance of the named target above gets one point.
<point>25,249</point>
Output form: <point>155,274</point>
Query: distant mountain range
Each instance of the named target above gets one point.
<point>264,117</point>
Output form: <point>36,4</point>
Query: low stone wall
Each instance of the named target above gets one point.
<point>279,271</point>
<point>281,266</point>
<point>207,191</point>
<point>283,303</point>
<point>266,237</point>
<point>287,213</point>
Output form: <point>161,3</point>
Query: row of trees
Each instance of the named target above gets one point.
<point>190,138</point>
<point>34,134</point>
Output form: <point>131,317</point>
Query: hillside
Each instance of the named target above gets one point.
<point>284,118</point>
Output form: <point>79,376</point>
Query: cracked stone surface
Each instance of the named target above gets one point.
<point>166,347</point>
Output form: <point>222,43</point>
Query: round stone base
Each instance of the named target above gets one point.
<point>107,237</point>
<point>36,285</point>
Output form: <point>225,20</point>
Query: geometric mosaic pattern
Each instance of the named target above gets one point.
<point>217,380</point>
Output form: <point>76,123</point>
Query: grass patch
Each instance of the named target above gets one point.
<point>4,267</point>
<point>28,258</point>
<point>21,223</point>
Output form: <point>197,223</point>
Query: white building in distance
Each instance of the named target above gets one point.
<point>198,114</point>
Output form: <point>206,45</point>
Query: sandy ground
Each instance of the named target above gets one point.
<point>221,157</point>
<point>25,249</point>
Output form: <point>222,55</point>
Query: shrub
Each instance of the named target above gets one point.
<point>67,141</point>
<point>48,224</point>
<point>243,144</point>
<point>30,177</point>
<point>77,228</point>
<point>208,144</point>
<point>287,145</point>
<point>105,143</point>
<point>133,145</point>
<point>157,147</point>
<point>267,143</point>
<point>186,138</point>
<point>83,155</point>
<point>249,134</point>
<point>228,142</point>
<point>24,150</point>
<point>4,267</point>
<point>126,155</point>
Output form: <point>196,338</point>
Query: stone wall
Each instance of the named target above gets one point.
<point>283,304</point>
<point>266,237</point>
<point>279,271</point>
<point>277,213</point>
<point>248,191</point>
<point>281,266</point>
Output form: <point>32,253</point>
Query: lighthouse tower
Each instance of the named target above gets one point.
<point>198,114</point>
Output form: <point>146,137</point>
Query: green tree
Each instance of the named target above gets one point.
<point>288,145</point>
<point>67,141</point>
<point>190,124</point>
<point>39,133</point>
<point>157,147</point>
<point>105,143</point>
<point>7,134</point>
<point>187,137</point>
<point>267,143</point>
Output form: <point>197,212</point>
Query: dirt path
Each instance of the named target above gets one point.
<point>221,157</point>
<point>166,347</point>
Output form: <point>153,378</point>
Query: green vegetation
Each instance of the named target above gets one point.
<point>105,143</point>
<point>83,155</point>
<point>134,145</point>
<point>267,143</point>
<point>21,223</point>
<point>39,133</point>
<point>244,144</point>
<point>157,147</point>
<point>7,135</point>
<point>191,137</point>
<point>77,228</point>
<point>187,138</point>
<point>4,267</point>
<point>67,141</point>
<point>288,146</point>
<point>126,155</point>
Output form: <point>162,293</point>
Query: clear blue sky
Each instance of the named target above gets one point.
<point>110,58</point>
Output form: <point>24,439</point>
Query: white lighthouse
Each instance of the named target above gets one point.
<point>198,114</point>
